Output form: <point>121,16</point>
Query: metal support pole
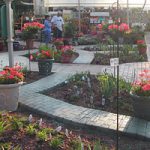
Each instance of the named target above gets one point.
<point>128,21</point>
<point>117,144</point>
<point>79,8</point>
<point>10,32</point>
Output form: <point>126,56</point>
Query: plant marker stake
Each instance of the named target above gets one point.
<point>103,100</point>
<point>67,133</point>
<point>30,118</point>
<point>40,122</point>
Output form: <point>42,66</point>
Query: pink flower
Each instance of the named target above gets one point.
<point>146,87</point>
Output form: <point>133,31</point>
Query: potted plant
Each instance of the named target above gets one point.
<point>117,31</point>
<point>45,58</point>
<point>147,33</point>
<point>10,80</point>
<point>69,32</point>
<point>59,42</point>
<point>141,47</point>
<point>140,92</point>
<point>29,31</point>
<point>67,54</point>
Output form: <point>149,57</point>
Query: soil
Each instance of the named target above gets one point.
<point>30,143</point>
<point>33,76</point>
<point>19,135</point>
<point>104,59</point>
<point>79,93</point>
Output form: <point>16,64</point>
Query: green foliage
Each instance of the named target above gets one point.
<point>99,146</point>
<point>18,123</point>
<point>30,129</point>
<point>42,135</point>
<point>3,126</point>
<point>55,143</point>
<point>5,146</point>
<point>9,146</point>
<point>124,86</point>
<point>107,84</point>
<point>69,30</point>
<point>77,78</point>
<point>75,144</point>
<point>44,47</point>
<point>127,48</point>
<point>87,41</point>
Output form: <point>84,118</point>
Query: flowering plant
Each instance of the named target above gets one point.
<point>141,87</point>
<point>67,50</point>
<point>58,42</point>
<point>11,75</point>
<point>30,29</point>
<point>122,28</point>
<point>141,47</point>
<point>141,44</point>
<point>44,52</point>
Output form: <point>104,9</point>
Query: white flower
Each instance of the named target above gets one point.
<point>58,129</point>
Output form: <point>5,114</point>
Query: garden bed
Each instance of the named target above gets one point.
<point>32,76</point>
<point>104,59</point>
<point>23,131</point>
<point>86,90</point>
<point>19,133</point>
<point>21,137</point>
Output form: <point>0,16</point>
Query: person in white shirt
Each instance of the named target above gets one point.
<point>57,25</point>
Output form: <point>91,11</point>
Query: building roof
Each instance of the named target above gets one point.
<point>94,3</point>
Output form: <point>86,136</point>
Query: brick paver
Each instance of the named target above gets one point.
<point>100,120</point>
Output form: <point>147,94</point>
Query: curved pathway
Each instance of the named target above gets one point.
<point>96,119</point>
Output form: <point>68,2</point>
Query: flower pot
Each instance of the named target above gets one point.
<point>142,51</point>
<point>45,66</point>
<point>9,95</point>
<point>141,106</point>
<point>29,43</point>
<point>147,37</point>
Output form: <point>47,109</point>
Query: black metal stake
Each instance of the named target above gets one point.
<point>29,60</point>
<point>117,146</point>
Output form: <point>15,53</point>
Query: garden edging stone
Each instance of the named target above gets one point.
<point>77,115</point>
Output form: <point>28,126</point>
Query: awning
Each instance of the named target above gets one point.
<point>94,3</point>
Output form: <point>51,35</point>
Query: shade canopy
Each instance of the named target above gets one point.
<point>94,3</point>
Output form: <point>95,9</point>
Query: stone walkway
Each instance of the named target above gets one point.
<point>77,115</point>
<point>100,120</point>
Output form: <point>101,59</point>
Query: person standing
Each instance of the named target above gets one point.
<point>57,24</point>
<point>47,30</point>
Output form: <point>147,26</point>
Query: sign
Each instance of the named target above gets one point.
<point>104,14</point>
<point>114,62</point>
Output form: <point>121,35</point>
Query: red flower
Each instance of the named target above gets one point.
<point>11,77</point>
<point>146,87</point>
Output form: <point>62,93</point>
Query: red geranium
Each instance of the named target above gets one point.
<point>67,50</point>
<point>141,87</point>
<point>11,75</point>
<point>30,29</point>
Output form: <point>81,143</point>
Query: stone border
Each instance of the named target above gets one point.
<point>77,115</point>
